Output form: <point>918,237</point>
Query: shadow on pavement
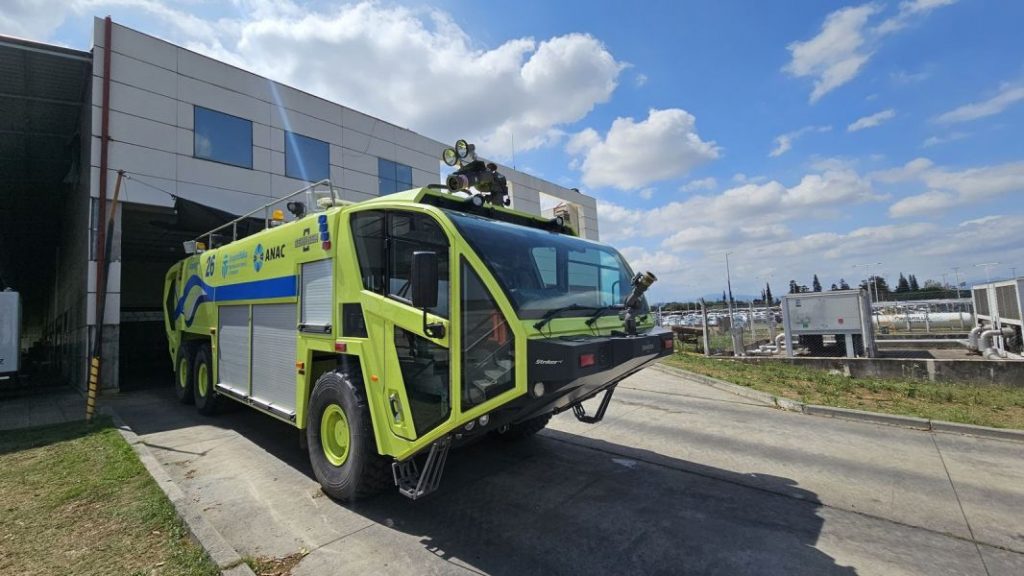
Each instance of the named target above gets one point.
<point>565,504</point>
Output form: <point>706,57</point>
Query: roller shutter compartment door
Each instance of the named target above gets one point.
<point>233,348</point>
<point>273,355</point>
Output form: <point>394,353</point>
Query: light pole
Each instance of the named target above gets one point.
<point>728,283</point>
<point>956,273</point>
<point>874,280</point>
<point>988,270</point>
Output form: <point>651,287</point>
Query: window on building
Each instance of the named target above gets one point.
<point>306,158</point>
<point>222,138</point>
<point>392,177</point>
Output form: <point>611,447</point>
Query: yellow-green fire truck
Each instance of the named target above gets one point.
<point>389,329</point>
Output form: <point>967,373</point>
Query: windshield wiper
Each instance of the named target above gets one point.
<point>602,310</point>
<point>556,311</point>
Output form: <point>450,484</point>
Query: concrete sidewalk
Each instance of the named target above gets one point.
<point>679,478</point>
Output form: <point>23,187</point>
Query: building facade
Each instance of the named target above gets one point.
<point>184,126</point>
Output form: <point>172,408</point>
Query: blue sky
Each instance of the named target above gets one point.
<point>805,137</point>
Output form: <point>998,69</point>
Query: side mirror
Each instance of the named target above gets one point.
<point>424,288</point>
<point>424,279</point>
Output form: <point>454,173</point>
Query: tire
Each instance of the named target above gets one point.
<point>524,429</point>
<point>203,385</point>
<point>342,449</point>
<point>183,375</point>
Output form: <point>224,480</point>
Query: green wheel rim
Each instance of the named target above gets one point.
<point>334,435</point>
<point>183,373</point>
<point>203,379</point>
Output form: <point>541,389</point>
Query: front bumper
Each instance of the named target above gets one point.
<point>556,363</point>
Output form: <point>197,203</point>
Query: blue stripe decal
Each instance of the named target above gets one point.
<point>282,287</point>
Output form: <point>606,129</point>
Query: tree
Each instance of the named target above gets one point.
<point>768,294</point>
<point>878,283</point>
<point>934,285</point>
<point>834,287</point>
<point>914,287</point>
<point>843,285</point>
<point>816,284</point>
<point>764,297</point>
<point>723,297</point>
<point>903,285</point>
<point>794,288</point>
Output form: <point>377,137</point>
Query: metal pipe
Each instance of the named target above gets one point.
<point>991,352</point>
<point>972,337</point>
<point>101,232</point>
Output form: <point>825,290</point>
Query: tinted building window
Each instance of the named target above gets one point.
<point>393,177</point>
<point>306,158</point>
<point>222,138</point>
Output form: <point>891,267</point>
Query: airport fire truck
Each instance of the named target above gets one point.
<point>389,329</point>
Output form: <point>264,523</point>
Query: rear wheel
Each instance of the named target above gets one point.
<point>205,395</point>
<point>339,434</point>
<point>183,376</point>
<point>524,429</point>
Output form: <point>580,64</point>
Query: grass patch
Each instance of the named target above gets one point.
<point>76,500</point>
<point>998,406</point>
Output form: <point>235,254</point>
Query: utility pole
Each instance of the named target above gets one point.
<point>956,273</point>
<point>732,319</point>
<point>874,280</point>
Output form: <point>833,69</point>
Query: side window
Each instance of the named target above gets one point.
<point>425,371</point>
<point>368,236</point>
<point>545,259</point>
<point>409,232</point>
<point>488,349</point>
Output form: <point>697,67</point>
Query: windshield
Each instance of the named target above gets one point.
<point>541,271</point>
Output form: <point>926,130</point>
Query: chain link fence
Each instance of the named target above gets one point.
<point>757,330</point>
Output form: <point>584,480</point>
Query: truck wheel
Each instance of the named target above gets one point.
<point>202,379</point>
<point>342,449</point>
<point>183,376</point>
<point>524,429</point>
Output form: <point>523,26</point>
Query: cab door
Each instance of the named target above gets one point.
<point>417,366</point>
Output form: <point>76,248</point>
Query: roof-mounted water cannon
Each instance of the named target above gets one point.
<point>641,282</point>
<point>475,173</point>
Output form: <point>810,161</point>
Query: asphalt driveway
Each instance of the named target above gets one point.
<point>678,479</point>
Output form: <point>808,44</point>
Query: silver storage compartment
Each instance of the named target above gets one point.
<point>233,348</point>
<point>273,357</point>
<point>317,294</point>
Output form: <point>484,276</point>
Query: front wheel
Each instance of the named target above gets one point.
<point>183,375</point>
<point>342,449</point>
<point>202,381</point>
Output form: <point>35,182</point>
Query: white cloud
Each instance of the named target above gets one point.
<point>835,55</point>
<point>784,142</point>
<point>639,80</point>
<point>928,202</point>
<point>770,203</point>
<point>32,19</point>
<point>871,121</point>
<point>708,183</point>
<point>907,11</point>
<point>1008,95</point>
<point>947,188</point>
<point>634,154</point>
<point>936,140</point>
<point>846,42</point>
<point>415,67</point>
<point>646,193</point>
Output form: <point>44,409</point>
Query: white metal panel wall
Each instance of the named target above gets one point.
<point>273,355</point>
<point>233,347</point>
<point>317,293</point>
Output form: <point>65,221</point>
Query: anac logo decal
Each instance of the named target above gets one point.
<point>261,255</point>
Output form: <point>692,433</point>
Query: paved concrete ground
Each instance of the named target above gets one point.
<point>54,405</point>
<point>679,479</point>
